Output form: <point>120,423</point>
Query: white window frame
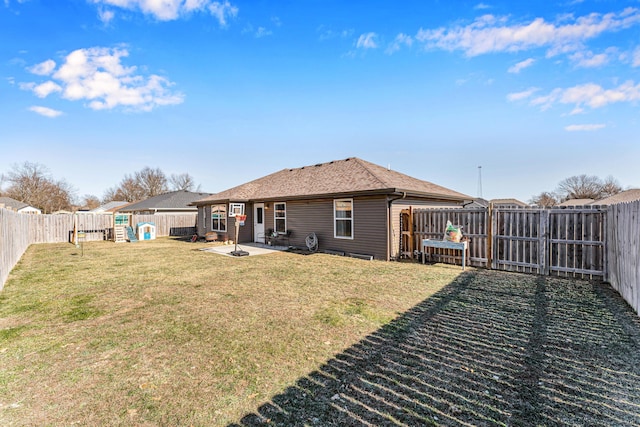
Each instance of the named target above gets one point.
<point>276,218</point>
<point>336,219</point>
<point>204,217</point>
<point>225,217</point>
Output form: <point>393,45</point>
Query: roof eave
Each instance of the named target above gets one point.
<point>374,192</point>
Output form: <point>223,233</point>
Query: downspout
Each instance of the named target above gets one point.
<point>390,201</point>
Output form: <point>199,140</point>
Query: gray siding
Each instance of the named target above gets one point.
<point>307,216</point>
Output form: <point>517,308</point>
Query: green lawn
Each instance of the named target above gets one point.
<point>162,333</point>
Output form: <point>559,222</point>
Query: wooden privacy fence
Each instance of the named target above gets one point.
<point>18,231</point>
<point>563,242</point>
<point>623,251</point>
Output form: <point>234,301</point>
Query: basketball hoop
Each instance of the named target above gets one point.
<point>240,219</point>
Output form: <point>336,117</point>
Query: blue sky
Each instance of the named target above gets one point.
<point>229,91</point>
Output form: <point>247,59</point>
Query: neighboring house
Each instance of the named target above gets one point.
<point>171,202</point>
<point>576,202</point>
<point>18,206</point>
<point>624,196</point>
<point>478,202</point>
<point>508,203</point>
<point>109,207</point>
<point>352,206</point>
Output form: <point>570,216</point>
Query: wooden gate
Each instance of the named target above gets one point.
<point>558,241</point>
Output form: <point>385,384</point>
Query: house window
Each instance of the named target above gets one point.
<point>280,217</point>
<point>343,218</point>
<point>219,218</point>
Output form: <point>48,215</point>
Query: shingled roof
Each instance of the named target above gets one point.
<point>172,201</point>
<point>348,176</point>
<point>12,203</point>
<point>624,196</point>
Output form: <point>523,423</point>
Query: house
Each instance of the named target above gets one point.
<point>624,196</point>
<point>476,203</point>
<point>352,206</point>
<point>508,203</point>
<point>109,207</point>
<point>172,202</point>
<point>18,206</point>
<point>576,202</point>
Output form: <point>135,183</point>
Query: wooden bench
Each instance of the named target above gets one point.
<point>443,244</point>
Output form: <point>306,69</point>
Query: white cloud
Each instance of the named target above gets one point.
<point>263,32</point>
<point>488,34</point>
<point>169,10</point>
<point>589,95</point>
<point>257,33</point>
<point>45,89</point>
<point>367,41</point>
<point>45,111</point>
<point>106,16</point>
<point>518,96</point>
<point>400,40</point>
<point>97,75</point>
<point>223,11</point>
<point>328,34</point>
<point>587,128</point>
<point>587,59</point>
<point>635,58</point>
<point>521,66</point>
<point>481,6</point>
<point>44,68</point>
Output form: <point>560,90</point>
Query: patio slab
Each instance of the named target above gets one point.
<point>251,248</point>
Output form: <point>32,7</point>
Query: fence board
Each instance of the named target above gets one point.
<point>559,241</point>
<point>623,246</point>
<point>431,223</point>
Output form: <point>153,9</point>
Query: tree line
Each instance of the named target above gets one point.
<point>33,184</point>
<point>578,187</point>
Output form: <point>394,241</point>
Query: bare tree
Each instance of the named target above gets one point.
<point>580,187</point>
<point>587,187</point>
<point>31,183</point>
<point>182,181</point>
<point>139,186</point>
<point>152,181</point>
<point>610,187</point>
<point>127,191</point>
<point>545,200</point>
<point>89,201</point>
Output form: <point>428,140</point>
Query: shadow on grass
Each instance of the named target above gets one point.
<point>489,349</point>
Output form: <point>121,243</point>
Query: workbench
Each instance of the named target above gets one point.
<point>443,244</point>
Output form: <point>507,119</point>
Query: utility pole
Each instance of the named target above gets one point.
<point>480,182</point>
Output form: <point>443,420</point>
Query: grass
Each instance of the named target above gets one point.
<point>161,333</point>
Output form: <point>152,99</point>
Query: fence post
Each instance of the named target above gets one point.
<point>542,242</point>
<point>490,244</point>
<point>605,238</point>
